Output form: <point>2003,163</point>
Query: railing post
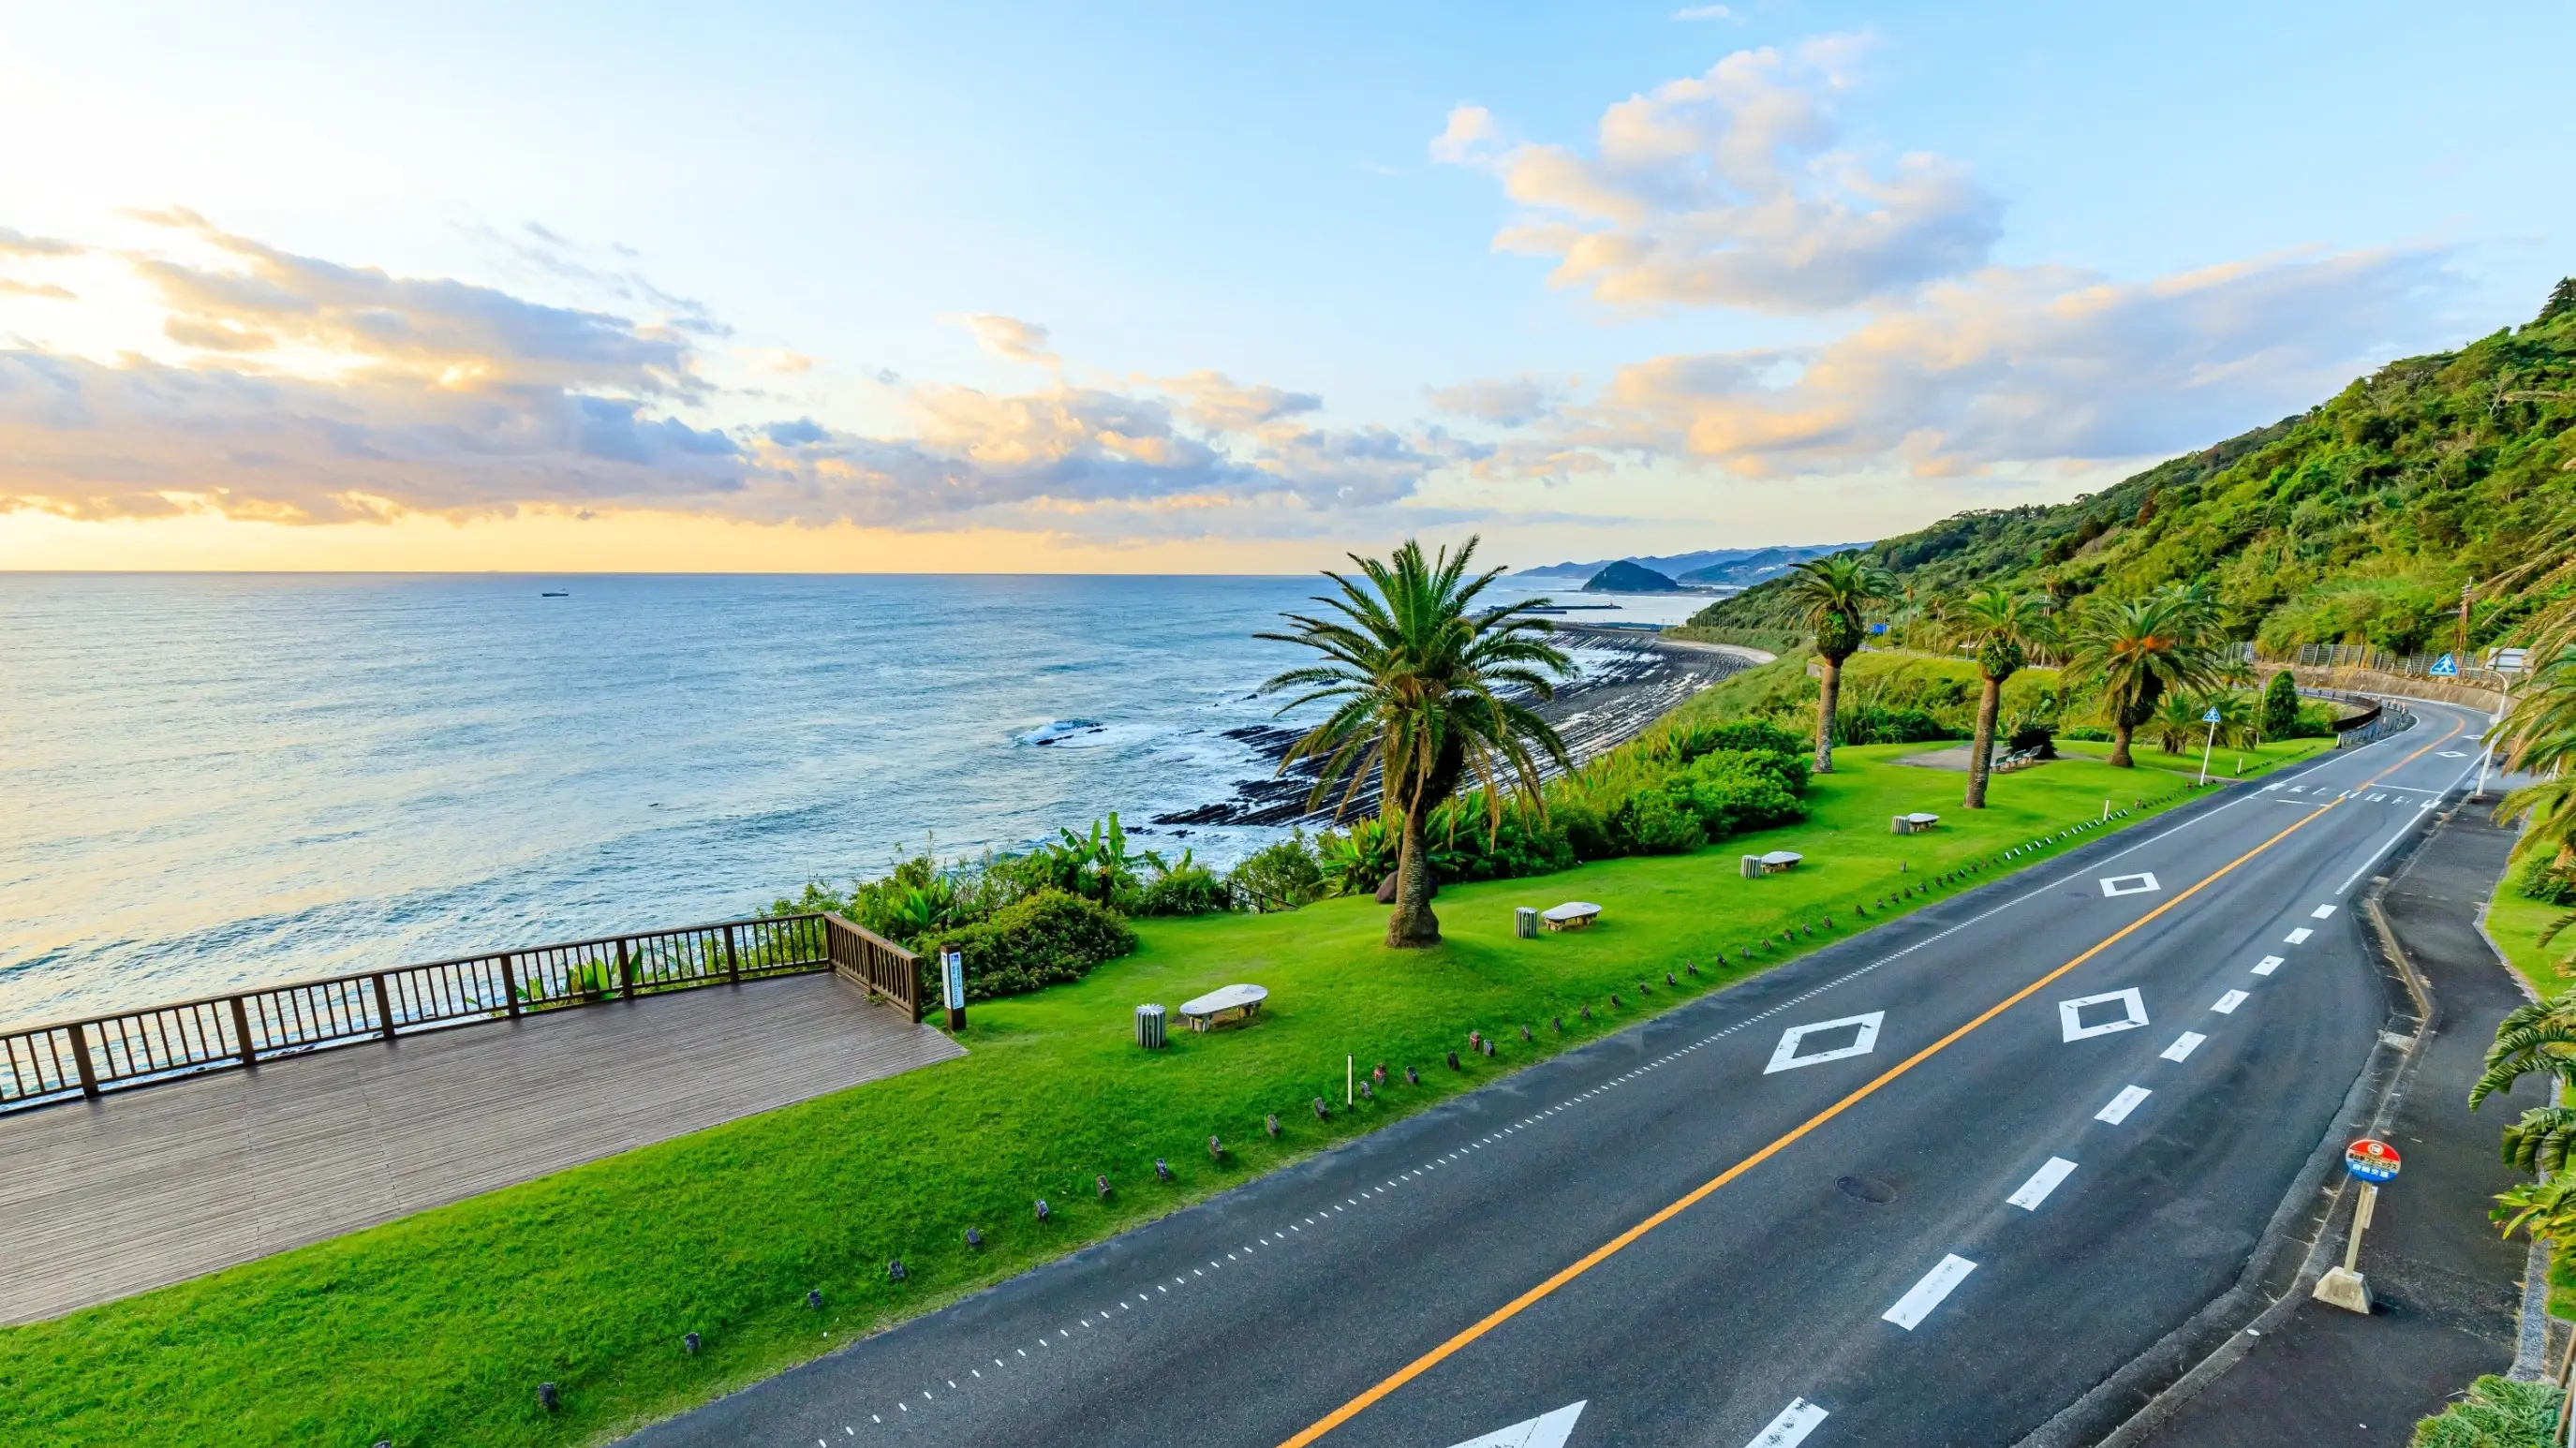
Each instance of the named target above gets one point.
<point>241,1033</point>
<point>384,1005</point>
<point>733,962</point>
<point>625,969</point>
<point>510,983</point>
<point>80,1060</point>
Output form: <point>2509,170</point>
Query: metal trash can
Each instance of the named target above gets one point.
<point>1525,921</point>
<point>1751,865</point>
<point>1149,1027</point>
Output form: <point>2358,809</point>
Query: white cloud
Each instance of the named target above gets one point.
<point>1008,337</point>
<point>2020,366</point>
<point>1503,401</point>
<point>1704,12</point>
<point>1733,189</point>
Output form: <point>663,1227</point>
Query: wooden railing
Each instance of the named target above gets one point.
<point>162,1043</point>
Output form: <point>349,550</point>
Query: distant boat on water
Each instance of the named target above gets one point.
<point>556,593</point>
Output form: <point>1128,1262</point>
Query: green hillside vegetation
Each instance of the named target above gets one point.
<point>1625,577</point>
<point>2358,521</point>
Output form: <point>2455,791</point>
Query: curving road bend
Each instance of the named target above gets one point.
<point>1929,1186</point>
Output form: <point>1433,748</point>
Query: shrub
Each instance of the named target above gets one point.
<point>2495,1413</point>
<point>2037,740</point>
<point>1185,888</point>
<point>2094,732</point>
<point>1730,792</point>
<point>1047,938</point>
<point>1871,724</point>
<point>1280,876</point>
<point>1354,860</point>
<point>1650,822</point>
<point>2546,881</point>
<point>2280,712</point>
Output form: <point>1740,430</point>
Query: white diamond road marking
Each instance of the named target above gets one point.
<point>1923,1296</point>
<point>1785,1056</point>
<point>2226,1005</point>
<point>2138,884</point>
<point>2183,1046</point>
<point>2122,1104</point>
<point>2070,1018</point>
<point>2298,936</point>
<point>2269,964</point>
<point>1791,1428</point>
<point>2041,1183</point>
<point>2321,912</point>
<point>1548,1430</point>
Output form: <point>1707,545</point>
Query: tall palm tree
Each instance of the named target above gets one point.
<point>1833,595</point>
<point>2535,1038</point>
<point>2005,627</point>
<point>2133,650</point>
<point>1424,684</point>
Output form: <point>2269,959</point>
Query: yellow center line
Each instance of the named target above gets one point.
<point>1606,1250</point>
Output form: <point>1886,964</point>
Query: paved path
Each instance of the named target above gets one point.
<point>1930,1186</point>
<point>144,1188</point>
<point>2448,1286</point>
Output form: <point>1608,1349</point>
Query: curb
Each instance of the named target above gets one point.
<point>2136,1399</point>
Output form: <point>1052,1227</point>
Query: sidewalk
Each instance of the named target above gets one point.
<point>2449,1288</point>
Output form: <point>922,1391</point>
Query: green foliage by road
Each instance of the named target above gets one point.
<point>437,1329</point>
<point>2357,521</point>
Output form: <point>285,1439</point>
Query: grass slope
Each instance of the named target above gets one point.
<point>2514,923</point>
<point>2259,759</point>
<point>437,1328</point>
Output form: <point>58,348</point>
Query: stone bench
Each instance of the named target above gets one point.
<point>1233,1002</point>
<point>1572,915</point>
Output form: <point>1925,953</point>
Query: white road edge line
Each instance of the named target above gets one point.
<point>1791,1428</point>
<point>1923,1296</point>
<point>2041,1183</point>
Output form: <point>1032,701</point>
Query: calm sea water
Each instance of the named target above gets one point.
<point>216,780</point>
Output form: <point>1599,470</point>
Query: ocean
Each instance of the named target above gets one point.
<point>219,780</point>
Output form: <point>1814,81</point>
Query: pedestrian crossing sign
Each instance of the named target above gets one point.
<point>2445,667</point>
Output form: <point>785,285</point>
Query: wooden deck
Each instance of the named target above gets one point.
<point>99,1199</point>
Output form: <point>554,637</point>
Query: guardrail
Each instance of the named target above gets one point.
<point>88,1057</point>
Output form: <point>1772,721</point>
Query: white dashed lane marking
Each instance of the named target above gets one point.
<point>2183,1046</point>
<point>2226,1005</point>
<point>2041,1183</point>
<point>1923,1296</point>
<point>2269,964</point>
<point>2122,1104</point>
<point>2321,912</point>
<point>1791,1428</point>
<point>2298,936</point>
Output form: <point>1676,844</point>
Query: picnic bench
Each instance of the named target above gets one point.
<point>1778,862</point>
<point>1233,1002</point>
<point>1913,824</point>
<point>1572,915</point>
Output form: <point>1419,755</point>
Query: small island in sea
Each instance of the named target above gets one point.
<point>1626,577</point>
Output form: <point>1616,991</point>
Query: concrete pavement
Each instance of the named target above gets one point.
<point>1931,1185</point>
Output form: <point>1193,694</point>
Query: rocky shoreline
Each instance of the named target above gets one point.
<point>1630,679</point>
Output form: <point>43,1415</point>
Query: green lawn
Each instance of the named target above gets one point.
<point>437,1329</point>
<point>2515,923</point>
<point>2224,762</point>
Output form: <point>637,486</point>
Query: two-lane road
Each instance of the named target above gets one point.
<point>1928,1186</point>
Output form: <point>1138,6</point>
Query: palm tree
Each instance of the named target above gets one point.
<point>2132,651</point>
<point>2537,1038</point>
<point>1416,669</point>
<point>1833,594</point>
<point>2005,627</point>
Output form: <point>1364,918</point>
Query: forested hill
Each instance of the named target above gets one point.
<point>2357,521</point>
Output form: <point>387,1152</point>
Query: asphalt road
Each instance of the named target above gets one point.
<point>1742,1223</point>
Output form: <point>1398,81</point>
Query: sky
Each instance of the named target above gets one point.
<point>1205,289</point>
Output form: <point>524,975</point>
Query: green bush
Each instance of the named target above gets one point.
<point>1183,888</point>
<point>1280,876</point>
<point>1872,724</point>
<point>2546,881</point>
<point>2093,732</point>
<point>1732,791</point>
<point>2280,713</point>
<point>1049,937</point>
<point>1650,822</point>
<point>2495,1413</point>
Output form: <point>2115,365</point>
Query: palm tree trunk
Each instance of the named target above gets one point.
<point>1828,697</point>
<point>1413,926</point>
<point>1988,702</point>
<point>2120,746</point>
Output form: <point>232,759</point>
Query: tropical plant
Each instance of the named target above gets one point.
<point>1833,597</point>
<point>1426,688</point>
<point>2538,1142</point>
<point>1181,887</point>
<point>1355,860</point>
<point>2004,628</point>
<point>2535,1038</point>
<point>2545,1210</point>
<point>1098,866</point>
<point>2132,652</point>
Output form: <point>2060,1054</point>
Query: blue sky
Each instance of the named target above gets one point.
<point>2250,204</point>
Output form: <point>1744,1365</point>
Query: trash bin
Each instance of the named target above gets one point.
<point>1149,1027</point>
<point>1751,865</point>
<point>1525,921</point>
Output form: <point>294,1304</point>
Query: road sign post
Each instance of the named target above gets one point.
<point>2370,1162</point>
<point>2210,719</point>
<point>952,986</point>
